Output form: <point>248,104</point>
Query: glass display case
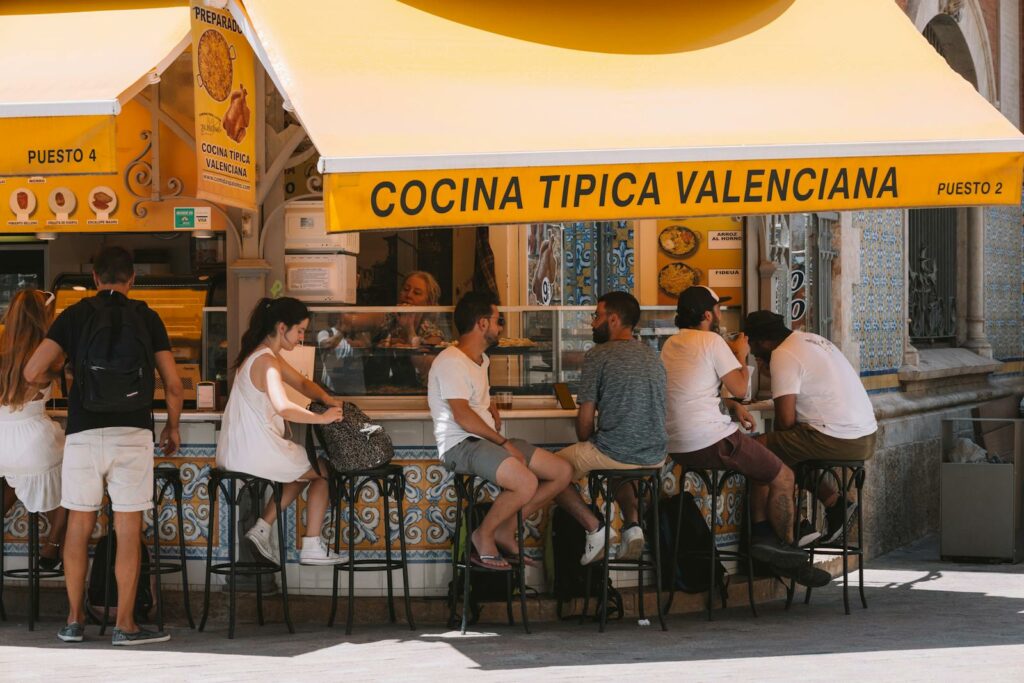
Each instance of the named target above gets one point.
<point>387,351</point>
<point>215,344</point>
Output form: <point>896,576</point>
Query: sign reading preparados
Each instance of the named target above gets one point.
<point>224,69</point>
<point>366,201</point>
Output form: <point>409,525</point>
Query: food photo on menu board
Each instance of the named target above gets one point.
<point>62,203</point>
<point>23,205</point>
<point>102,202</point>
<point>699,251</point>
<point>544,264</point>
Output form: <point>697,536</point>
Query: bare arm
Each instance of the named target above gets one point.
<point>585,420</point>
<point>268,369</point>
<point>46,356</point>
<point>785,412</point>
<point>736,381</point>
<point>174,395</point>
<point>741,413</point>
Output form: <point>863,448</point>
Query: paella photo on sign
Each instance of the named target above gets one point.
<point>675,277</point>
<point>679,241</point>
<point>215,69</point>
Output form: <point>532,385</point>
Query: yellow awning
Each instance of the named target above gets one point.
<point>68,67</point>
<point>454,112</point>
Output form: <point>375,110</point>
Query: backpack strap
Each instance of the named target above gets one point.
<point>311,438</point>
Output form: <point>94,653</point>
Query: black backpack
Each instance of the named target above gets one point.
<point>483,586</point>
<point>114,364</point>
<point>569,582</point>
<point>690,570</point>
<point>355,443</point>
<point>95,600</point>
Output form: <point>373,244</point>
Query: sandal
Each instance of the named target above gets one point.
<point>489,561</point>
<point>512,557</point>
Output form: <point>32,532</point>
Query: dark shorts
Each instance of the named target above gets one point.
<point>736,452</point>
<point>482,457</point>
<point>804,442</point>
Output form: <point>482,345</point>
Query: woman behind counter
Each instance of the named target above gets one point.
<point>253,434</point>
<point>396,333</point>
<point>31,444</point>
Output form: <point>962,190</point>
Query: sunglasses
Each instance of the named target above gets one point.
<point>501,319</point>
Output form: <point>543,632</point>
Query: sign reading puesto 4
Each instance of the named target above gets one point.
<point>362,201</point>
<point>224,71</point>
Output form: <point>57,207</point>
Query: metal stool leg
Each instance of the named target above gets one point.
<point>860,537</point>
<point>156,561</point>
<point>638,491</point>
<point>522,571</point>
<point>386,500</point>
<point>284,568</point>
<point>351,495</point>
<point>713,485</point>
<point>605,566</point>
<point>453,593</point>
<point>399,485</point>
<point>468,573</point>
<point>179,495</point>
<point>33,569</point>
<point>257,493</point>
<point>3,611</point>
<point>231,558</point>
<point>336,521</point>
<point>213,489</point>
<point>110,563</point>
<point>748,524</point>
<point>845,541</point>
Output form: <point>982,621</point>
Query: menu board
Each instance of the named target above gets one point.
<point>225,74</point>
<point>700,251</point>
<point>111,202</point>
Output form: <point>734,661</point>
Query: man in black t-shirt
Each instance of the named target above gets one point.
<point>111,449</point>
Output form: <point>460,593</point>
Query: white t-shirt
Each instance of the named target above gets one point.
<point>696,362</point>
<point>829,394</point>
<point>454,375</point>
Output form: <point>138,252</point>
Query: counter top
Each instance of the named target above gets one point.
<point>514,414</point>
<point>161,415</point>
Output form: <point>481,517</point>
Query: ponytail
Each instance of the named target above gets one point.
<point>265,317</point>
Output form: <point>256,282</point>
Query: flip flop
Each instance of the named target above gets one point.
<point>482,561</point>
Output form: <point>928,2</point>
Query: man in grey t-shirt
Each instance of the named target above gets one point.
<point>624,381</point>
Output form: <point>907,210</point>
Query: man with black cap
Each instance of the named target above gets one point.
<point>822,411</point>
<point>702,433</point>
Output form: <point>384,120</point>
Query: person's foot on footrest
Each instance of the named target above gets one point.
<point>259,536</point>
<point>836,517</point>
<point>766,547</point>
<point>631,547</point>
<point>314,552</point>
<point>808,534</point>
<point>594,548</point>
<point>806,575</point>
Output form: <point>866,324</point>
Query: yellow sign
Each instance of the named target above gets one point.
<point>118,202</point>
<point>700,251</point>
<point>224,69</point>
<point>57,145</point>
<point>407,199</point>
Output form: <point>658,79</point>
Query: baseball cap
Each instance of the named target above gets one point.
<point>762,324</point>
<point>698,299</point>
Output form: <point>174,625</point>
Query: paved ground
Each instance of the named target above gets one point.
<point>927,620</point>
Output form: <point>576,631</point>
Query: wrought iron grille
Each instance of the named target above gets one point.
<point>801,247</point>
<point>931,257</point>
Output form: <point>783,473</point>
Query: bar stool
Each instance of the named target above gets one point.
<point>714,480</point>
<point>466,489</point>
<point>810,474</point>
<point>33,573</point>
<point>390,483</point>
<point>225,482</point>
<point>604,485</point>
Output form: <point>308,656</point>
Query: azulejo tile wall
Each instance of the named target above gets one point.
<point>598,258</point>
<point>1004,273</point>
<point>879,320</point>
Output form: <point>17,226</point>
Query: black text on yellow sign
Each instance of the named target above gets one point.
<point>366,201</point>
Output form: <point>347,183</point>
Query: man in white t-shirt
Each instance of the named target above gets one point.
<point>467,428</point>
<point>702,434</point>
<point>822,411</point>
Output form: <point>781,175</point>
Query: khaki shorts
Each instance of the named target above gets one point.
<point>737,452</point>
<point>482,457</point>
<point>804,442</point>
<point>584,457</point>
<point>120,457</point>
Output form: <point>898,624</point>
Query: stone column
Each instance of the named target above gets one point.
<point>976,339</point>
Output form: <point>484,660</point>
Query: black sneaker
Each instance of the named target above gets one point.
<point>769,549</point>
<point>806,575</point>
<point>140,637</point>
<point>836,518</point>
<point>808,534</point>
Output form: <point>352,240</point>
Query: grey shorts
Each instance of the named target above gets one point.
<point>482,457</point>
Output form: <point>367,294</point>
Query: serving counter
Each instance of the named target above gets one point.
<point>429,501</point>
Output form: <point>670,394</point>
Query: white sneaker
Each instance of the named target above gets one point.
<point>632,545</point>
<point>594,549</point>
<point>259,536</point>
<point>316,553</point>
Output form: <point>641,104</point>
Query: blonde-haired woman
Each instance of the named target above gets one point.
<point>31,444</point>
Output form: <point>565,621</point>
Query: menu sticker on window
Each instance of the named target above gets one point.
<point>725,277</point>
<point>225,75</point>
<point>725,239</point>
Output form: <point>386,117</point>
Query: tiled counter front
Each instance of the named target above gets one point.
<point>429,508</point>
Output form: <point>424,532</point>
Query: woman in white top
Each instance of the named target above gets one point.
<point>253,435</point>
<point>31,444</point>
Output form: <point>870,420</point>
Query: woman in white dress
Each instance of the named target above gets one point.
<point>253,437</point>
<point>31,444</point>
